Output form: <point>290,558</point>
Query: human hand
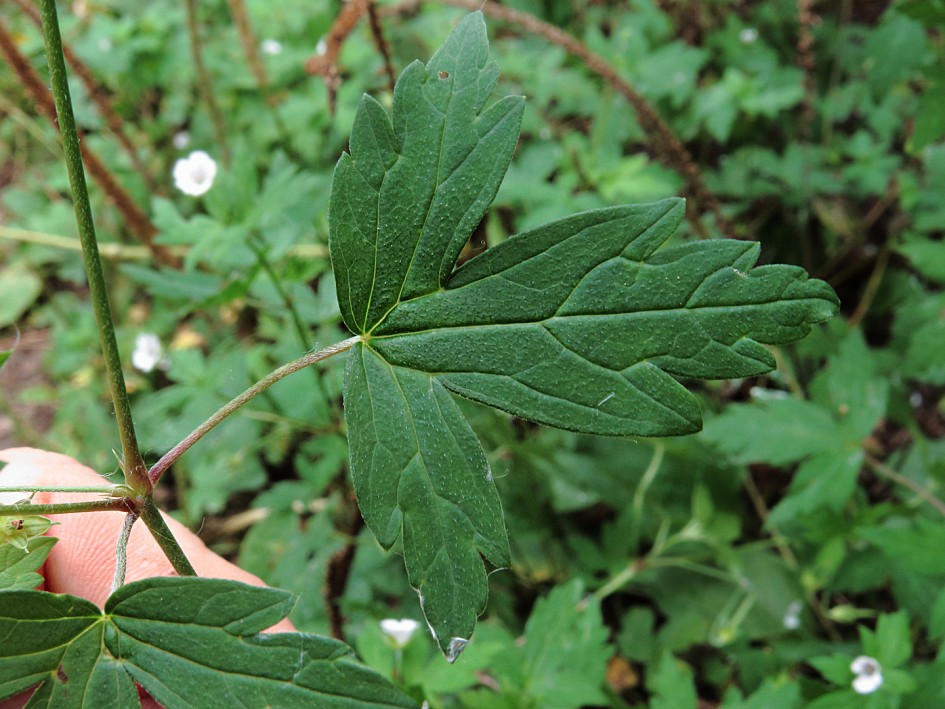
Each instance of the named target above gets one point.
<point>82,562</point>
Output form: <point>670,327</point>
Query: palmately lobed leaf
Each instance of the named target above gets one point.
<point>580,323</point>
<point>419,470</point>
<point>411,190</point>
<point>583,324</point>
<point>187,641</point>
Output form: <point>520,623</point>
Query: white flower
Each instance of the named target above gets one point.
<point>321,47</point>
<point>869,674</point>
<point>749,35</point>
<point>194,174</point>
<point>181,139</point>
<point>400,631</point>
<point>792,616</point>
<point>148,353</point>
<point>271,47</point>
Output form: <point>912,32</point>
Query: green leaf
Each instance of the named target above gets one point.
<point>418,468</point>
<point>187,641</point>
<point>407,197</point>
<point>672,685</point>
<point>19,564</point>
<point>891,643</point>
<point>19,289</point>
<point>580,324</point>
<point>562,658</point>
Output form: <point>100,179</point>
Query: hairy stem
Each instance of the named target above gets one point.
<point>151,516</point>
<point>259,387</point>
<point>134,468</point>
<point>110,490</point>
<point>121,551</point>
<point>62,508</point>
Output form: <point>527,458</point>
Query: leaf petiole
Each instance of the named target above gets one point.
<point>60,508</point>
<point>259,387</point>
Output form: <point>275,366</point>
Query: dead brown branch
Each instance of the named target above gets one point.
<point>137,222</point>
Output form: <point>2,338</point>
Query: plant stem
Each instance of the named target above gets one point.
<point>204,82</point>
<point>259,387</point>
<point>639,495</point>
<point>121,551</point>
<point>151,516</point>
<point>61,508</point>
<point>881,468</point>
<point>109,490</point>
<point>31,82</point>
<point>125,252</point>
<point>255,243</point>
<point>134,468</point>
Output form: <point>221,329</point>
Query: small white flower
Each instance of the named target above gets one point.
<point>181,139</point>
<point>271,47</point>
<point>792,616</point>
<point>869,674</point>
<point>400,631</point>
<point>148,353</point>
<point>194,174</point>
<point>321,47</point>
<point>749,35</point>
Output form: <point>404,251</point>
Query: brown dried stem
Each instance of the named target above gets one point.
<point>805,58</point>
<point>100,95</point>
<point>205,82</point>
<point>137,222</point>
<point>377,32</point>
<point>248,40</point>
<point>339,570</point>
<point>667,146</point>
<point>325,64</point>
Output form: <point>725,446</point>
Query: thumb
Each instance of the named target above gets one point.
<point>82,562</point>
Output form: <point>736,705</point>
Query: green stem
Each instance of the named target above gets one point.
<point>162,534</point>
<point>259,387</point>
<point>109,490</point>
<point>134,468</point>
<point>639,495</point>
<point>300,330</point>
<point>297,323</point>
<point>61,508</point>
<point>882,469</point>
<point>121,551</point>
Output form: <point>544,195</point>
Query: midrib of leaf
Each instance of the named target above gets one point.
<point>426,216</point>
<point>578,316</point>
<point>426,472</point>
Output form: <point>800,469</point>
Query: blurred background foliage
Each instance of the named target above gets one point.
<point>742,567</point>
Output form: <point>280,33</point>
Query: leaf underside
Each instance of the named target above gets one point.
<point>581,324</point>
<point>187,641</point>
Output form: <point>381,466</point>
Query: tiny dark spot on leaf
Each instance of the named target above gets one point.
<point>61,675</point>
<point>444,75</point>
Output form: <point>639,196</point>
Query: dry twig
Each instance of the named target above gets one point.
<point>138,223</point>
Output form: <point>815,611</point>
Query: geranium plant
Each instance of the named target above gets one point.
<point>586,323</point>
